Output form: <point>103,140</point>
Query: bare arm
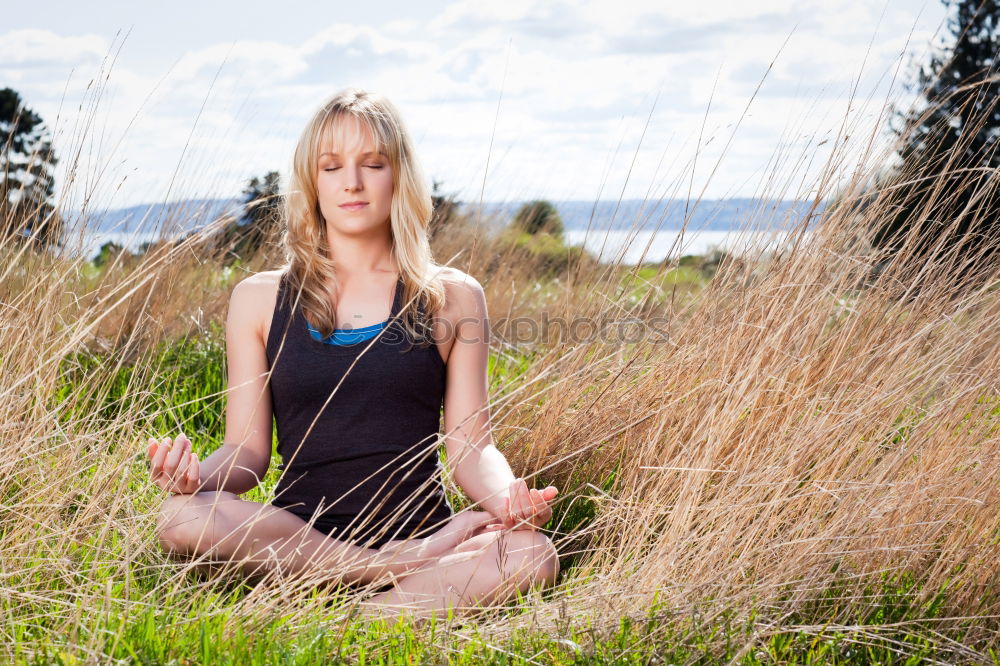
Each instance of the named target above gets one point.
<point>240,463</point>
<point>478,467</point>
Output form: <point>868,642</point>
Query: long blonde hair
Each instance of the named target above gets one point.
<point>310,268</point>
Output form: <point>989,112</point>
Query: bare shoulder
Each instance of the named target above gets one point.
<point>464,295</point>
<point>251,304</point>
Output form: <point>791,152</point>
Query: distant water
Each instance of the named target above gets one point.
<point>609,244</point>
<point>709,223</point>
<point>133,226</point>
<point>708,214</point>
<point>613,242</point>
<point>91,243</point>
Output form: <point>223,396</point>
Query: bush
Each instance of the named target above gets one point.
<point>537,217</point>
<point>542,254</point>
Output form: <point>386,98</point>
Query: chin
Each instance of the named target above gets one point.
<point>358,228</point>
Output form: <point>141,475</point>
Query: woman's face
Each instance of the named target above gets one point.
<point>349,170</point>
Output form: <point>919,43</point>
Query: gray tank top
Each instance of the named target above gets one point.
<point>362,455</point>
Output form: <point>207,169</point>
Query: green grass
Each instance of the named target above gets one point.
<point>207,633</point>
<point>685,271</point>
<point>637,281</point>
<point>138,622</point>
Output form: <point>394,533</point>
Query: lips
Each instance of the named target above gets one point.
<point>354,205</point>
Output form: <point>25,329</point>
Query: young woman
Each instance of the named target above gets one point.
<point>353,348</point>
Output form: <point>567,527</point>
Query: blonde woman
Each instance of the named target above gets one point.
<point>353,348</point>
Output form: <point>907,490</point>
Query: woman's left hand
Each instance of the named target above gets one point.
<point>526,508</point>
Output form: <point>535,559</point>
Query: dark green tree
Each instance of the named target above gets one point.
<point>538,216</point>
<point>261,218</point>
<point>943,193</point>
<point>27,182</point>
<point>107,254</point>
<point>445,210</point>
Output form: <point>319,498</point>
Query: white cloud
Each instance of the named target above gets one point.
<point>41,48</point>
<point>261,62</point>
<point>580,80</point>
<point>360,40</point>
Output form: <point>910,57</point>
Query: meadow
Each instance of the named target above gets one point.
<point>785,457</point>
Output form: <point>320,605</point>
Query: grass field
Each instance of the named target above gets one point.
<point>794,469</point>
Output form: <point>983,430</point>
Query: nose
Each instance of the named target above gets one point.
<point>352,176</point>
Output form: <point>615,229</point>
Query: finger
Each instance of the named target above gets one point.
<point>186,447</point>
<point>532,499</point>
<point>514,500</point>
<point>538,508</point>
<point>508,513</point>
<point>191,477</point>
<point>513,495</point>
<point>514,506</point>
<point>156,466</point>
<point>538,502</point>
<point>183,448</point>
<point>544,511</point>
<point>173,457</point>
<point>549,493</point>
<point>524,501</point>
<point>195,470</point>
<point>180,472</point>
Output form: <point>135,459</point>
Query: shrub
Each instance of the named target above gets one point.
<point>541,254</point>
<point>537,217</point>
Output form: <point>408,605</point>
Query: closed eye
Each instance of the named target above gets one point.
<point>370,166</point>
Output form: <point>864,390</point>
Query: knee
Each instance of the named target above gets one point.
<point>185,522</point>
<point>532,553</point>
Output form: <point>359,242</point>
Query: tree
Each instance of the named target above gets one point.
<point>445,209</point>
<point>944,187</point>
<point>538,216</point>
<point>27,182</point>
<point>261,218</point>
<point>107,254</point>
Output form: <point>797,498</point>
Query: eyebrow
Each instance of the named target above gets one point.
<point>370,152</point>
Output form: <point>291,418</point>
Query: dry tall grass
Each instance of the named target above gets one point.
<point>791,436</point>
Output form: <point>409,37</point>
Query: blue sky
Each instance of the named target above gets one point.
<point>504,100</point>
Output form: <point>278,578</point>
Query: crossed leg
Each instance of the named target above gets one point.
<point>485,569</point>
<point>488,568</point>
<point>259,538</point>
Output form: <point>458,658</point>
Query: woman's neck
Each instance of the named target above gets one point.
<point>359,257</point>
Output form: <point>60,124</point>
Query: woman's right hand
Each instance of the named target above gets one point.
<point>462,526</point>
<point>174,467</point>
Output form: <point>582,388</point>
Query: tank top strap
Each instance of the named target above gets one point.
<point>397,298</point>
<point>421,321</point>
<point>281,317</point>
